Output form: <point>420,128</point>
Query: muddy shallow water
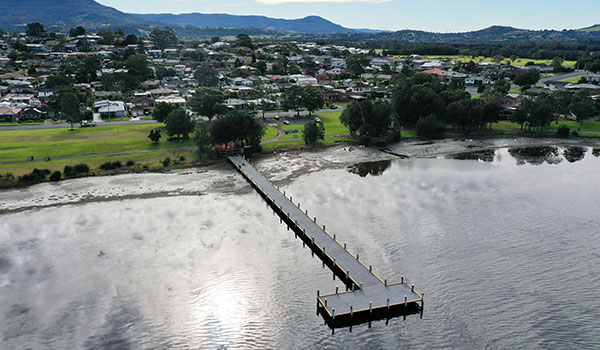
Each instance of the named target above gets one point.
<point>505,248</point>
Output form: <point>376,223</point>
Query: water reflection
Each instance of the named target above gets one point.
<point>574,153</point>
<point>596,152</point>
<point>376,168</point>
<point>486,155</point>
<point>535,155</point>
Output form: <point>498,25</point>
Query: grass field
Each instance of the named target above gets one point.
<point>17,145</point>
<point>519,62</point>
<point>590,128</point>
<point>573,80</point>
<point>270,133</point>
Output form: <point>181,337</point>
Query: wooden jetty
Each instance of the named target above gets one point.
<point>368,297</point>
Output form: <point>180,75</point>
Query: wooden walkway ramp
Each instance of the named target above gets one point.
<point>367,296</point>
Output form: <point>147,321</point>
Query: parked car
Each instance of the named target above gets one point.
<point>87,123</point>
<point>286,122</point>
<point>318,120</point>
<point>332,106</point>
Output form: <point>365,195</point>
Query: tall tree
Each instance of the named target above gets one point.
<point>34,29</point>
<point>355,65</point>
<point>582,106</point>
<point>291,99</point>
<point>313,132</point>
<point>244,40</point>
<point>69,107</point>
<point>162,110</point>
<point>206,76</point>
<point>312,98</point>
<point>203,138</point>
<point>208,102</point>
<point>163,38</point>
<point>179,123</point>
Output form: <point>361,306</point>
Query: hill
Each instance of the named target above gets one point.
<point>310,24</point>
<point>594,28</point>
<point>15,14</point>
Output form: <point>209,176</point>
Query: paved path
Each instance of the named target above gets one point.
<point>562,76</point>
<point>75,125</point>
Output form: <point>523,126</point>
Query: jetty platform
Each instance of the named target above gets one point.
<point>367,296</point>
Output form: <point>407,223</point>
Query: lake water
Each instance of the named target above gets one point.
<point>505,248</point>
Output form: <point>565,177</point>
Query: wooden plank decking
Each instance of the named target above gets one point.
<point>368,296</point>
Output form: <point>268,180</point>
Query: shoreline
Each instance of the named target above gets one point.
<point>403,149</point>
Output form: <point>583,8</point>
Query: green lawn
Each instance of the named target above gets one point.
<point>17,145</point>
<point>332,123</point>
<point>13,124</point>
<point>573,80</point>
<point>590,128</point>
<point>519,62</point>
<point>270,133</point>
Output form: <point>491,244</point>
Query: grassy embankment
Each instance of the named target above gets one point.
<point>84,145</point>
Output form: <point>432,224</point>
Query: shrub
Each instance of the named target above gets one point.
<point>182,159</point>
<point>35,177</point>
<point>130,163</point>
<point>563,131</point>
<point>56,176</point>
<point>430,128</point>
<point>81,168</point>
<point>166,162</point>
<point>480,89</point>
<point>111,165</point>
<point>575,133</point>
<point>69,171</point>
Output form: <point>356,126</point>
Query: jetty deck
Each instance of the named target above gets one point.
<point>367,296</point>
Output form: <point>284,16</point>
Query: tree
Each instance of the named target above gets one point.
<point>355,65</point>
<point>430,128</point>
<point>206,76</point>
<point>138,68</point>
<point>163,38</point>
<point>369,119</point>
<point>203,138</point>
<point>261,66</point>
<point>179,123</point>
<point>108,36</point>
<point>527,77</point>
<point>244,40</point>
<point>34,29</point>
<point>582,106</point>
<point>292,99</point>
<point>155,135</point>
<point>352,117</point>
<point>208,102</point>
<point>162,110</point>
<point>77,31</point>
<point>312,98</point>
<point>130,39</point>
<point>69,107</point>
<point>313,132</point>
<point>238,126</point>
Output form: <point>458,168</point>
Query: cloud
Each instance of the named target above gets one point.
<point>277,2</point>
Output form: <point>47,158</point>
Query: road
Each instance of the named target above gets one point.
<point>562,76</point>
<point>140,122</point>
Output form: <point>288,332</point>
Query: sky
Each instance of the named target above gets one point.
<point>433,15</point>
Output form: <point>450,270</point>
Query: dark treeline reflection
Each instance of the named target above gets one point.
<point>370,168</point>
<point>574,154</point>
<point>486,155</point>
<point>535,155</point>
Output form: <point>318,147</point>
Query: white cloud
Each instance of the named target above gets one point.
<point>277,2</point>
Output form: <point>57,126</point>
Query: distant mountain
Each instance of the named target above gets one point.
<point>491,34</point>
<point>15,14</point>
<point>309,25</point>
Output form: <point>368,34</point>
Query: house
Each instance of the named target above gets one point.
<point>335,96</point>
<point>174,99</point>
<point>477,80</point>
<point>512,101</point>
<point>110,109</point>
<point>9,114</point>
<point>31,113</point>
<point>236,104</point>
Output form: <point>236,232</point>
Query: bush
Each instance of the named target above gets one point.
<point>575,134</point>
<point>563,131</point>
<point>430,128</point>
<point>56,176</point>
<point>35,177</point>
<point>111,165</point>
<point>182,159</point>
<point>130,163</point>
<point>72,171</point>
<point>480,89</point>
<point>166,162</point>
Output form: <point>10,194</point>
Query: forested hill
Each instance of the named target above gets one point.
<point>310,24</point>
<point>15,14</point>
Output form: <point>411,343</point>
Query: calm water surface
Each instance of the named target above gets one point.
<point>506,251</point>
